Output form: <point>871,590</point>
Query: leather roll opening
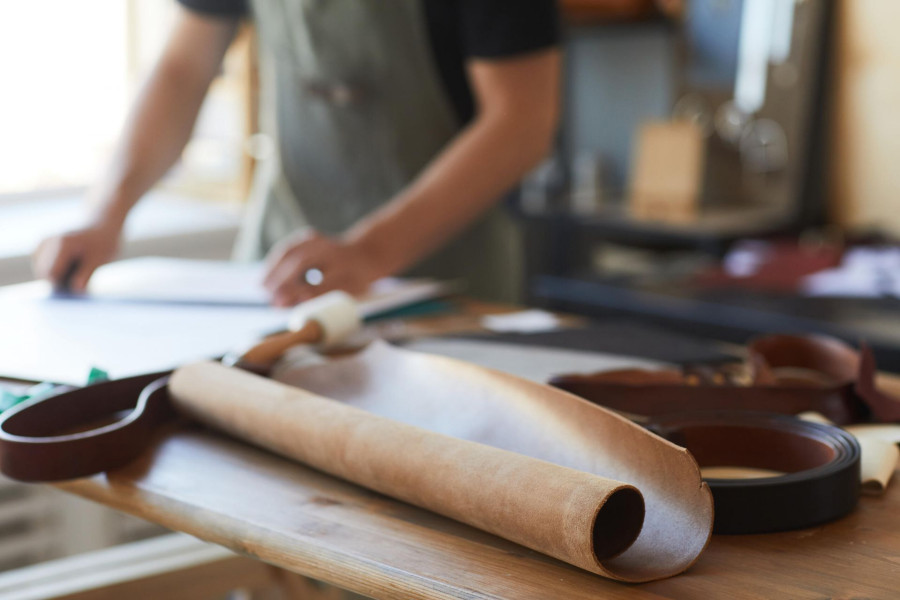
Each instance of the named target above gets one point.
<point>618,523</point>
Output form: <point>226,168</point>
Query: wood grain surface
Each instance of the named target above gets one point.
<point>260,505</point>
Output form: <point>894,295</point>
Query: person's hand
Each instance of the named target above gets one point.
<point>68,260</point>
<point>308,264</point>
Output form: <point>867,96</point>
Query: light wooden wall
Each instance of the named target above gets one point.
<point>865,155</point>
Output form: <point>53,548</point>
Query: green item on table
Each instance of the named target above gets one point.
<point>97,375</point>
<point>8,399</point>
<point>39,390</point>
<point>426,308</point>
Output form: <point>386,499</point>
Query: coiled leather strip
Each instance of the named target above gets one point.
<point>821,465</point>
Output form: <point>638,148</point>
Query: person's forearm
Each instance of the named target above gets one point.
<point>156,133</point>
<point>518,108</point>
<point>161,121</point>
<point>485,161</point>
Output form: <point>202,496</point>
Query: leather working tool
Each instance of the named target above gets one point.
<point>101,427</point>
<point>821,466</point>
<point>783,374</point>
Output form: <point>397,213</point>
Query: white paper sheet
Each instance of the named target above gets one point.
<point>43,338</point>
<point>150,314</point>
<point>212,282</point>
<point>172,280</point>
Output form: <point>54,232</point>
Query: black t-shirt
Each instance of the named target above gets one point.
<point>459,30</point>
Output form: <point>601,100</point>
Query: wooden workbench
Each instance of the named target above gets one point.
<point>224,491</point>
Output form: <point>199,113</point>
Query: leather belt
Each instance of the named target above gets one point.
<point>783,374</point>
<point>82,432</point>
<point>821,465</point>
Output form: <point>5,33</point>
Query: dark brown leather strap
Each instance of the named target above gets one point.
<point>84,431</point>
<point>652,399</point>
<point>790,375</point>
<point>821,465</point>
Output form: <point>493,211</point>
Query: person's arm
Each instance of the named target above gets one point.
<point>157,131</point>
<point>517,111</point>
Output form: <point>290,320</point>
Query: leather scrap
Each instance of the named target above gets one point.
<point>516,458</point>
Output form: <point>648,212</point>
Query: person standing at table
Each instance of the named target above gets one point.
<point>398,126</point>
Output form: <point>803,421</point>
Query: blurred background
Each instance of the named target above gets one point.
<point>724,167</point>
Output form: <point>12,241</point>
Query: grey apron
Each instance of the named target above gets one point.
<point>355,107</point>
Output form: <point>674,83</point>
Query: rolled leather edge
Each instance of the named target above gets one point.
<point>879,461</point>
<point>574,516</point>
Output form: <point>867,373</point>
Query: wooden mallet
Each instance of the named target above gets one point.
<point>324,321</point>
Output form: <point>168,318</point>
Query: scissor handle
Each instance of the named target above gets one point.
<point>83,432</point>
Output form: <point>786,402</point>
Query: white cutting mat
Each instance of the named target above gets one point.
<point>529,362</point>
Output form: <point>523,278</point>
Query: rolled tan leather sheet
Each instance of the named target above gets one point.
<point>880,455</point>
<point>524,461</point>
<point>879,461</point>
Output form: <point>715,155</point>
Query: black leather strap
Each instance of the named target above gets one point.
<point>821,463</point>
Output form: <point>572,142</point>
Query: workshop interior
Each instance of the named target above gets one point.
<point>693,389</point>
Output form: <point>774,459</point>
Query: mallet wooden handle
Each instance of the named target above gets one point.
<point>324,320</point>
<point>273,347</point>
